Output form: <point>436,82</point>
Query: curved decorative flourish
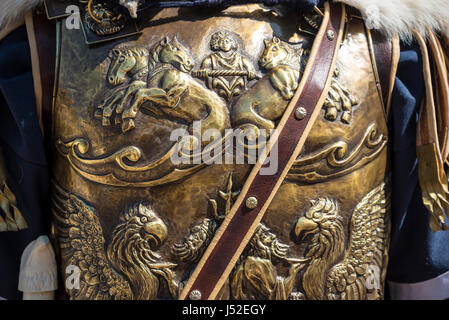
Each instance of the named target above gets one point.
<point>114,169</point>
<point>337,160</point>
<point>125,166</point>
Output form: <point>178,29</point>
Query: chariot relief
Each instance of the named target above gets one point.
<point>226,71</point>
<point>159,218</point>
<point>161,83</point>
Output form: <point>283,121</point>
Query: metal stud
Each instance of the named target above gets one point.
<point>251,202</point>
<point>300,113</point>
<point>330,35</point>
<point>195,295</point>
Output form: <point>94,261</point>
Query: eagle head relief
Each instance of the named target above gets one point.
<point>324,225</point>
<point>132,250</point>
<point>129,267</point>
<point>334,273</point>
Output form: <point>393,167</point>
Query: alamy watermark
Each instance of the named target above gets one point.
<point>72,281</point>
<point>233,146</point>
<point>373,281</point>
<point>73,21</point>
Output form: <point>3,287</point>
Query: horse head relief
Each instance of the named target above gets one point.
<point>158,80</point>
<point>266,101</point>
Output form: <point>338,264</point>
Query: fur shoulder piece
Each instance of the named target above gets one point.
<point>403,16</point>
<point>389,16</point>
<point>13,10</point>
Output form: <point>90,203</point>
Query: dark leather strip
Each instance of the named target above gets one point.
<point>45,31</point>
<point>383,52</point>
<point>263,185</point>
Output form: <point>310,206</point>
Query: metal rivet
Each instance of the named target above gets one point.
<point>195,295</point>
<point>251,202</point>
<point>300,113</point>
<point>330,35</point>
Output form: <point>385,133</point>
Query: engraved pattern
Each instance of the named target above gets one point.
<point>151,80</point>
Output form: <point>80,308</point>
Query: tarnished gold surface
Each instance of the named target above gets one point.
<point>113,168</point>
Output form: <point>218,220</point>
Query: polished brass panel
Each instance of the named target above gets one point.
<point>116,107</point>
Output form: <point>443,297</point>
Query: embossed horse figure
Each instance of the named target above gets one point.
<point>267,100</point>
<point>160,83</point>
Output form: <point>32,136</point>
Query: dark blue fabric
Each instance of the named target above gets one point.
<point>416,253</point>
<point>21,141</point>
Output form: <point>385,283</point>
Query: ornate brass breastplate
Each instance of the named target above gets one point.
<point>135,223</point>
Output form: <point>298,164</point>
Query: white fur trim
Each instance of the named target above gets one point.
<point>403,16</point>
<point>390,16</point>
<point>13,10</point>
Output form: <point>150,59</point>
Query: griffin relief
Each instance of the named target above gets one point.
<point>328,276</point>
<point>129,267</point>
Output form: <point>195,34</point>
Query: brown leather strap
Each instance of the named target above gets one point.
<point>383,52</point>
<point>240,224</point>
<point>45,36</point>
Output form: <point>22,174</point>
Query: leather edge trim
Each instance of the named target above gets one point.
<point>29,22</point>
<point>372,54</point>
<point>396,54</point>
<point>427,131</point>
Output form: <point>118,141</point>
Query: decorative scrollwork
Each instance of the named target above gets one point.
<point>337,160</point>
<point>114,169</point>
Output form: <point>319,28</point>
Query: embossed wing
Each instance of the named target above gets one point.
<point>365,253</point>
<point>82,245</point>
<point>129,267</point>
<point>335,273</point>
